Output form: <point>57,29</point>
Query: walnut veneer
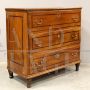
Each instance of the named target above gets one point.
<point>40,41</point>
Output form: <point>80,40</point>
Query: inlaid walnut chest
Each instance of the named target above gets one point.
<point>40,41</point>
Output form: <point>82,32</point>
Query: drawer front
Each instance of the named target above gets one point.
<point>45,20</point>
<point>70,18</point>
<point>43,63</point>
<point>54,19</point>
<point>40,42</point>
<point>55,39</point>
<point>71,36</point>
<point>55,59</point>
<point>74,55</point>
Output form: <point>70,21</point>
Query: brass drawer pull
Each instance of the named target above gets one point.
<point>40,21</point>
<point>75,19</point>
<point>74,54</point>
<point>57,56</point>
<point>74,36</point>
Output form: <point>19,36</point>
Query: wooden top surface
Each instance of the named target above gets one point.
<point>39,9</point>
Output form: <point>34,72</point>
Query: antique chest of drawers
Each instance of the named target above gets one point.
<point>40,41</point>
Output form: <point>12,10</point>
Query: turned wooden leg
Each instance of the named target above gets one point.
<point>77,66</point>
<point>10,74</point>
<point>29,83</point>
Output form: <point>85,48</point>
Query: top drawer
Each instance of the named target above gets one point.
<point>39,20</point>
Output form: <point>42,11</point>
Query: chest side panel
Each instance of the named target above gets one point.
<point>17,41</point>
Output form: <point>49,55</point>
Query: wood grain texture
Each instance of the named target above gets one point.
<point>40,41</point>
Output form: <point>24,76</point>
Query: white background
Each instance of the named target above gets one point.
<point>85,32</point>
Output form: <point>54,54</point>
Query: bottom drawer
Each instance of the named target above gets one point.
<point>54,60</point>
<point>42,68</point>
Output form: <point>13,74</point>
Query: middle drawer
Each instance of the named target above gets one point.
<point>48,39</point>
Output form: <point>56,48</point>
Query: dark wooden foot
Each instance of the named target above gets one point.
<point>10,74</point>
<point>29,83</point>
<point>77,66</point>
